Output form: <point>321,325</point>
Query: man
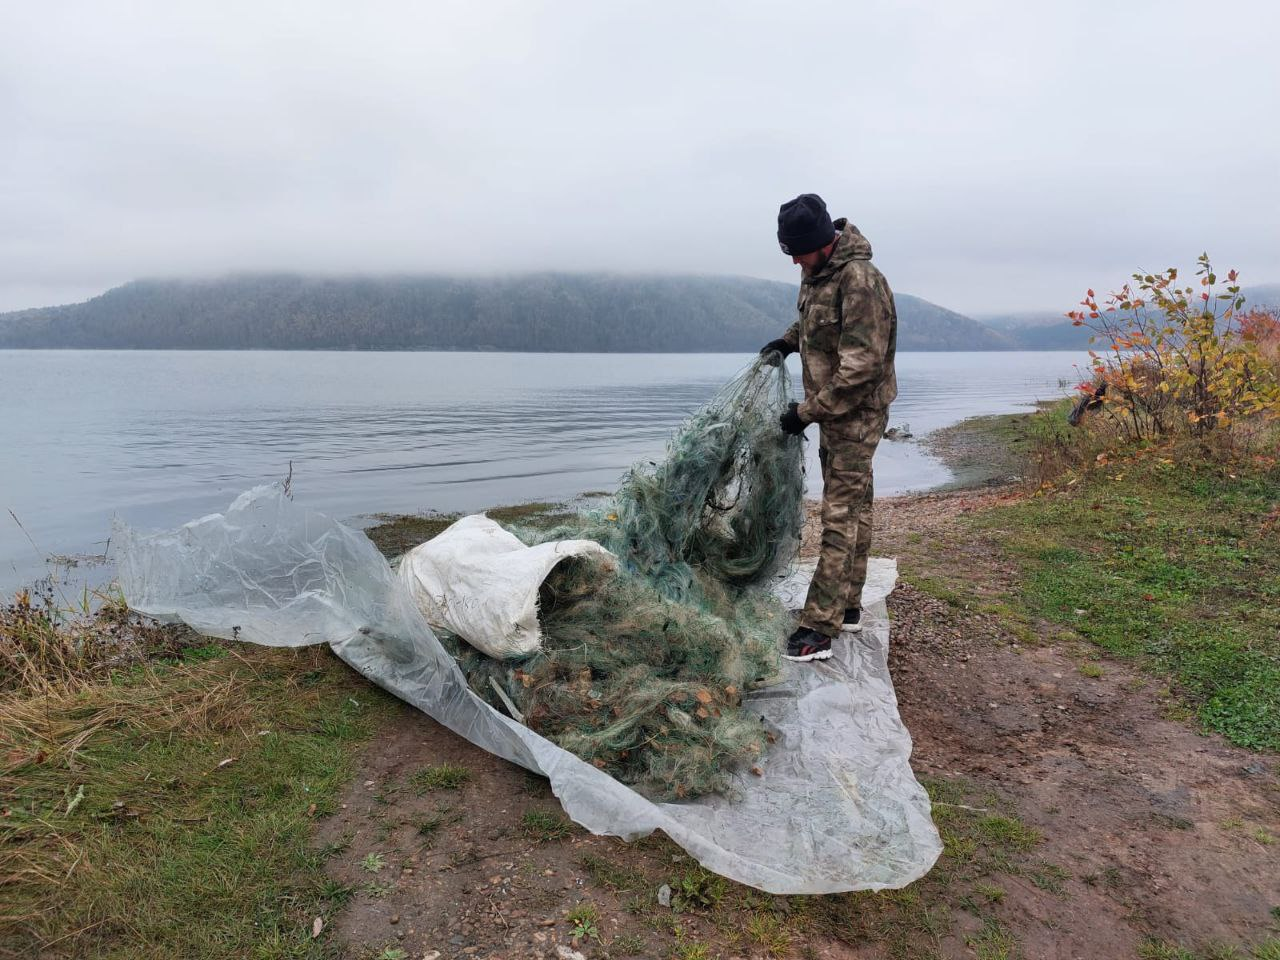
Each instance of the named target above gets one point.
<point>846,335</point>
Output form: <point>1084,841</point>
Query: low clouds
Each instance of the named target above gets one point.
<point>999,156</point>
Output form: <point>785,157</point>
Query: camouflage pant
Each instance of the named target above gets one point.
<point>847,491</point>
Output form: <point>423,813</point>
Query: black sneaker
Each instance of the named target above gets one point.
<point>806,644</point>
<point>852,619</point>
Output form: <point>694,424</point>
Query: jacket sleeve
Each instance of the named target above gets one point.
<point>866,329</point>
<point>792,336</point>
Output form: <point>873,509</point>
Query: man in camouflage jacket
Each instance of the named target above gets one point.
<point>846,335</point>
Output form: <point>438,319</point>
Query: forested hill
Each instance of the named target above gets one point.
<point>552,312</point>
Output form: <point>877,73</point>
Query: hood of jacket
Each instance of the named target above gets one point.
<point>852,245</point>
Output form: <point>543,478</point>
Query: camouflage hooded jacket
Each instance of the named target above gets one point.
<point>847,335</point>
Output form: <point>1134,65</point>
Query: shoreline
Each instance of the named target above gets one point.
<point>974,450</point>
<point>981,452</point>
<point>1069,770</point>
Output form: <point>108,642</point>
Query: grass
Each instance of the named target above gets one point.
<point>615,876</point>
<point>167,810</point>
<point>50,648</point>
<point>982,843</point>
<point>1049,877</point>
<point>994,942</point>
<point>1173,566</point>
<point>691,951</point>
<point>394,534</point>
<point>429,829</point>
<point>543,826</point>
<point>769,932</point>
<point>627,945</point>
<point>989,892</point>
<point>441,776</point>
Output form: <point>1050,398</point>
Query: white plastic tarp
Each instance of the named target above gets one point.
<point>836,806</point>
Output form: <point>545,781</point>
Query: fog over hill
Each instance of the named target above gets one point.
<point>532,312</point>
<point>1051,330</point>
<point>555,312</point>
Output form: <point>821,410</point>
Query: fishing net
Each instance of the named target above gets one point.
<point>724,508</point>
<point>722,511</point>
<point>641,670</point>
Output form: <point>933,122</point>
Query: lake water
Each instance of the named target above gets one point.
<point>163,437</point>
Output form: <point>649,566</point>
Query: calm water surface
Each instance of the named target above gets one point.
<point>163,437</point>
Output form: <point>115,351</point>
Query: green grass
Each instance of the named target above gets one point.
<point>198,786</point>
<point>441,776</point>
<point>543,826</point>
<point>768,931</point>
<point>1175,566</point>
<point>691,951</point>
<point>994,942</point>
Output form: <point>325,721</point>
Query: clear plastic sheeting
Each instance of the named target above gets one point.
<point>834,806</point>
<point>480,582</point>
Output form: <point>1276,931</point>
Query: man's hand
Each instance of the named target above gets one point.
<point>780,345</point>
<point>790,421</point>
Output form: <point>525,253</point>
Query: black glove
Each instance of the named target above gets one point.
<point>779,345</point>
<point>791,422</point>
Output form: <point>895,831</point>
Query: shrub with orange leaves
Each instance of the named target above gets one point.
<point>1184,361</point>
<point>1262,328</point>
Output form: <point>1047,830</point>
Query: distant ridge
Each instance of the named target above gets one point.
<point>529,312</point>
<point>1049,330</point>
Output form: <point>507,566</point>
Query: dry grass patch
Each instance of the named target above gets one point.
<point>165,810</point>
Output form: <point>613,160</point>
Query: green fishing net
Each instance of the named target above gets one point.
<point>723,509</point>
<point>642,670</point>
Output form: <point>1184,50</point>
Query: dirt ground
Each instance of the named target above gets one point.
<point>1164,831</point>
<point>1149,829</point>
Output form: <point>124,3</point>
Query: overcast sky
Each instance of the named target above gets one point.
<point>998,155</point>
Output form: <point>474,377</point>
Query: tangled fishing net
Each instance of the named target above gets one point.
<point>641,671</point>
<point>723,510</point>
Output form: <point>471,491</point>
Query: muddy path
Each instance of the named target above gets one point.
<point>1141,828</point>
<point>1162,832</point>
